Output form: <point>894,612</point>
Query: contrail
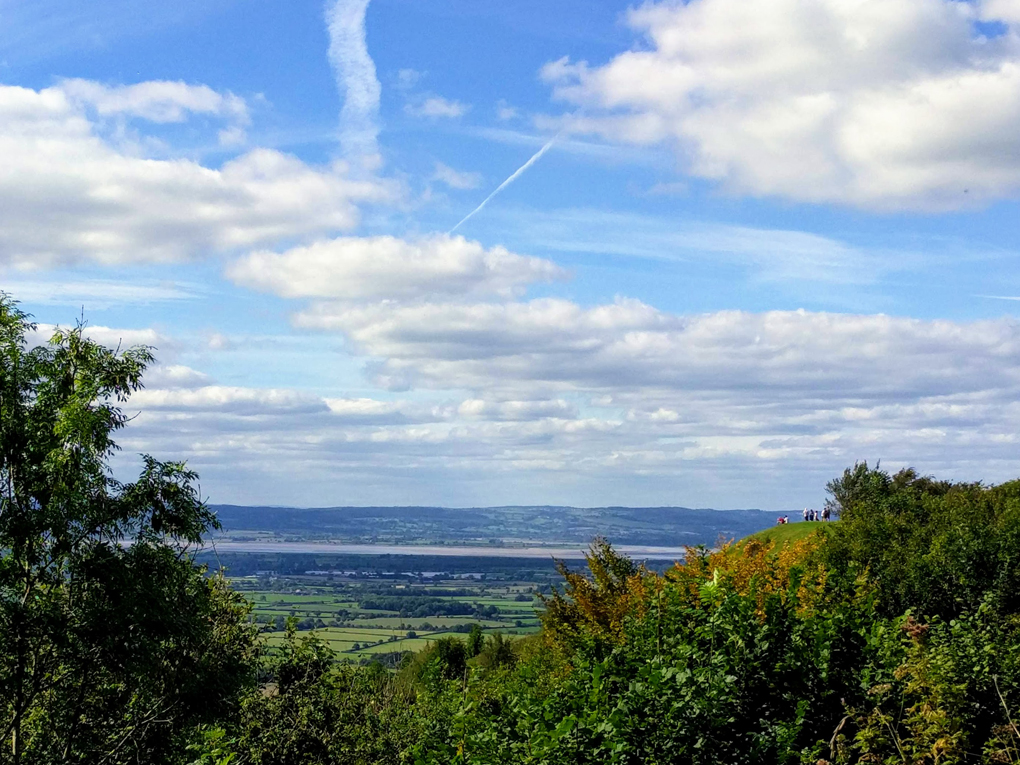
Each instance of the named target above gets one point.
<point>508,181</point>
<point>355,78</point>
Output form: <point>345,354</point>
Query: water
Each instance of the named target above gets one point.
<point>566,552</point>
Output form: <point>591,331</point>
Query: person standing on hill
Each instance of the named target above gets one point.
<point>807,514</point>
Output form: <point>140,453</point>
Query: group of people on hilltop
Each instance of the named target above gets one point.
<point>810,514</point>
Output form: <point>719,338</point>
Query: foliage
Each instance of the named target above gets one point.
<point>933,547</point>
<point>713,675</point>
<point>417,607</point>
<point>940,695</point>
<point>318,711</point>
<point>475,641</point>
<point>825,649</point>
<point>497,651</point>
<point>591,607</point>
<point>113,646</point>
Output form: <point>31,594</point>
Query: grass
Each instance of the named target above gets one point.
<point>788,533</point>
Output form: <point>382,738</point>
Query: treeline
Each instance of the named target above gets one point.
<point>892,637</point>
<point>434,592</point>
<point>417,607</point>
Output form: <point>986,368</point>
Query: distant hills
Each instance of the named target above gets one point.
<point>659,526</point>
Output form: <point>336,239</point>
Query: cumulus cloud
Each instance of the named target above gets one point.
<point>156,101</point>
<point>886,104</point>
<point>437,107</point>
<point>613,403</point>
<point>175,376</point>
<point>229,400</point>
<point>456,179</point>
<point>477,408</point>
<point>807,362</point>
<point>505,111</point>
<point>546,400</point>
<point>389,268</point>
<point>67,195</point>
<point>112,337</point>
<point>1007,11</point>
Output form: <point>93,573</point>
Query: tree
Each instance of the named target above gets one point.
<point>475,641</point>
<point>936,548</point>
<point>113,645</point>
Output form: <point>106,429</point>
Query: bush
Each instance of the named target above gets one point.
<point>930,547</point>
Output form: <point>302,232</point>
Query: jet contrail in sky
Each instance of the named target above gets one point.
<point>508,181</point>
<point>356,78</point>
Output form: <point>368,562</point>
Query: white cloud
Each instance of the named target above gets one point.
<point>808,360</point>
<point>356,79</point>
<point>388,268</point>
<point>175,376</point>
<point>156,101</point>
<point>456,179</point>
<point>366,409</point>
<point>229,400</point>
<point>884,103</point>
<point>217,341</point>
<point>231,137</point>
<point>506,112</point>
<point>408,78</point>
<point>111,337</point>
<point>67,195</point>
<point>548,401</point>
<point>435,107</point>
<point>1007,11</point>
<point>477,408</point>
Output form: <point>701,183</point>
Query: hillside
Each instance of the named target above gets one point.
<point>663,526</point>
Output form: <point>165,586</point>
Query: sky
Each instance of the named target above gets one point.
<point>470,252</point>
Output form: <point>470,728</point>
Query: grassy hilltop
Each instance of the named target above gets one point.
<point>788,533</point>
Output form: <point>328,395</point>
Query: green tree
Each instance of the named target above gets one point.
<point>319,711</point>
<point>114,647</point>
<point>475,641</point>
<point>498,651</point>
<point>933,547</point>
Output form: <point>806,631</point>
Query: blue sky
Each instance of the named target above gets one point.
<point>764,243</point>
